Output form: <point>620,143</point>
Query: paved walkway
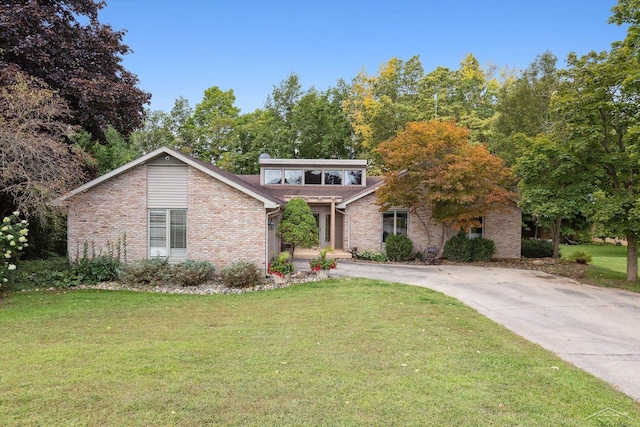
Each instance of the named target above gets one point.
<point>596,329</point>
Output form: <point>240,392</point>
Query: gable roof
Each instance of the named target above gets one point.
<point>228,178</point>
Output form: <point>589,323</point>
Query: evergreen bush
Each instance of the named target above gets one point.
<point>536,248</point>
<point>398,247</point>
<point>458,248</point>
<point>482,249</point>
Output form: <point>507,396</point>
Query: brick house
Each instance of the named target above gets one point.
<point>173,205</point>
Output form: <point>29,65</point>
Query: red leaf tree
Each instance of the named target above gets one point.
<point>434,165</point>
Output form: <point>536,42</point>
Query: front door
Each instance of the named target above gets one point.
<point>323,221</point>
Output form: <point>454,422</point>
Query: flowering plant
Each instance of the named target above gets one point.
<point>281,266</point>
<point>322,262</point>
<point>13,239</point>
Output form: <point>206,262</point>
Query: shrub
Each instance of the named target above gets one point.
<point>13,240</point>
<point>372,256</point>
<point>298,226</point>
<point>462,249</point>
<point>282,265</point>
<point>536,248</point>
<point>152,272</point>
<point>44,273</point>
<point>580,257</point>
<point>101,268</point>
<point>458,248</point>
<point>241,274</point>
<point>398,247</point>
<point>191,273</point>
<point>482,249</point>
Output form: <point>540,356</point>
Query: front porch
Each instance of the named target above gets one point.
<point>304,253</point>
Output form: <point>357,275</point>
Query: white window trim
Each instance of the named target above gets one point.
<point>167,248</point>
<point>395,221</point>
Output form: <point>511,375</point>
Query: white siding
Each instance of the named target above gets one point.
<point>167,186</point>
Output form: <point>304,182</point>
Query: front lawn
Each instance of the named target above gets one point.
<point>608,265</point>
<point>340,352</point>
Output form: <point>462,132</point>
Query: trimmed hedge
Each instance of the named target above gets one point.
<point>536,248</point>
<point>462,249</point>
<point>398,247</point>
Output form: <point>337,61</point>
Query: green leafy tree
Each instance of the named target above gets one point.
<point>523,106</point>
<point>214,122</point>
<point>598,105</point>
<point>298,226</point>
<point>379,106</point>
<point>322,129</point>
<point>554,183</point>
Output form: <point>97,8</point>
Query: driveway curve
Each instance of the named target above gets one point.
<point>596,329</point>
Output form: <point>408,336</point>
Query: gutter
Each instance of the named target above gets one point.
<point>266,237</point>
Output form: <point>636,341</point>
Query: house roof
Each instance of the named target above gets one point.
<point>222,175</point>
<point>273,196</point>
<point>342,194</point>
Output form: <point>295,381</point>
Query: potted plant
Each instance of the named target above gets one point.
<point>321,264</point>
<point>281,267</point>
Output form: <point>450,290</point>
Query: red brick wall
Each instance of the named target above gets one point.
<point>105,212</point>
<point>223,224</point>
<point>365,222</point>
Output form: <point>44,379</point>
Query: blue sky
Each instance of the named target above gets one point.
<point>182,47</point>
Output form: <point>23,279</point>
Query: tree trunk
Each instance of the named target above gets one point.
<point>555,235</point>
<point>632,258</point>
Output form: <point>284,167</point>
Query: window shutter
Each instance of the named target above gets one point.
<point>167,186</point>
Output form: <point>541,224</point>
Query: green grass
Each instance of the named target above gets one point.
<point>608,266</point>
<point>338,353</point>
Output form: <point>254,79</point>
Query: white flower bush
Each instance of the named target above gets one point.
<point>13,240</point>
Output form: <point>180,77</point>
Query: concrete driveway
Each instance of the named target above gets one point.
<point>596,329</point>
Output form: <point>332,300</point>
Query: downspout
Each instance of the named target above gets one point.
<point>344,213</point>
<point>266,237</point>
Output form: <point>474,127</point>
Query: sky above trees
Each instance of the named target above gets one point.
<point>182,48</point>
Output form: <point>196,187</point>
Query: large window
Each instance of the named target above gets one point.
<point>168,233</point>
<point>273,176</point>
<point>293,177</point>
<point>353,177</point>
<point>333,177</point>
<point>395,222</point>
<point>313,177</point>
<point>328,176</point>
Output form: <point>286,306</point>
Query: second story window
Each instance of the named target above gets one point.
<point>352,177</point>
<point>272,176</point>
<point>313,177</point>
<point>332,177</point>
<point>293,177</point>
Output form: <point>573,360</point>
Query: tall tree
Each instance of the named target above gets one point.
<point>523,106</point>
<point>434,165</point>
<point>598,106</point>
<point>214,122</point>
<point>280,106</point>
<point>36,163</point>
<point>379,106</point>
<point>322,128</point>
<point>554,183</point>
<point>63,43</point>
